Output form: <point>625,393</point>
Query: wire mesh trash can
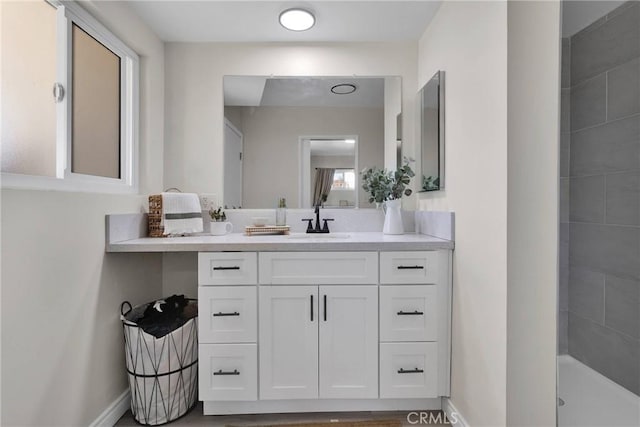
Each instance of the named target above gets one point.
<point>162,372</point>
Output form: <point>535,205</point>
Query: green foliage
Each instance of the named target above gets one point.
<point>383,185</point>
<point>217,215</point>
<point>430,183</point>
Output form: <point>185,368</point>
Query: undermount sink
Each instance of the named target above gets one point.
<point>319,236</point>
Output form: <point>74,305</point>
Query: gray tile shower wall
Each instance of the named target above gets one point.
<point>602,196</point>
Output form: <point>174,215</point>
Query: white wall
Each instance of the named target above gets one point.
<point>194,96</point>
<point>271,137</point>
<point>62,346</point>
<point>532,220</point>
<point>234,115</point>
<point>502,132</point>
<point>468,40</point>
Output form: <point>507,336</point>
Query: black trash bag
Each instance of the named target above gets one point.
<point>165,316</point>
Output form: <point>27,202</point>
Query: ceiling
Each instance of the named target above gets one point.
<point>316,92</point>
<point>257,21</point>
<point>253,91</point>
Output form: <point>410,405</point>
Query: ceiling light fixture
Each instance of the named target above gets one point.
<point>297,19</point>
<point>343,89</point>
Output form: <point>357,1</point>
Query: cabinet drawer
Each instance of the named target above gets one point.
<point>227,314</point>
<point>408,313</point>
<point>408,267</point>
<point>227,268</point>
<point>318,268</point>
<point>408,370</point>
<point>228,372</point>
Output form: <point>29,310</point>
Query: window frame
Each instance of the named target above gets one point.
<point>69,13</point>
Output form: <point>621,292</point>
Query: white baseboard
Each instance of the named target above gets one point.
<point>110,416</point>
<point>455,417</point>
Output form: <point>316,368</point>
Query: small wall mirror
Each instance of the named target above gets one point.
<point>432,133</point>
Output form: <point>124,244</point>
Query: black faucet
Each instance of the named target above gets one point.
<point>317,229</point>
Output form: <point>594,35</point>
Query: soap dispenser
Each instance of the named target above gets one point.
<point>281,212</point>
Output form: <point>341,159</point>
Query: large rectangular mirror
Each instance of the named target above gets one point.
<point>306,138</point>
<point>432,133</point>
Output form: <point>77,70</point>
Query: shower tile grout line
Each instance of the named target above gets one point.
<point>624,334</point>
<point>603,123</point>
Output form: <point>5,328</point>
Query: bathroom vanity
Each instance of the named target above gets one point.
<point>351,322</point>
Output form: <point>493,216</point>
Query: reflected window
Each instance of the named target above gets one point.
<point>344,179</point>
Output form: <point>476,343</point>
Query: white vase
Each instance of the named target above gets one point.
<point>393,217</point>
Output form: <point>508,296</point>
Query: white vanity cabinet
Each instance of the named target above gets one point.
<point>318,330</point>
<point>323,331</point>
<point>227,326</point>
<point>318,342</point>
<point>414,324</point>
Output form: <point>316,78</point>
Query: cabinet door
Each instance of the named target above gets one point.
<point>349,342</point>
<point>288,342</point>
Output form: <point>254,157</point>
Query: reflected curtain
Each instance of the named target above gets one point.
<point>322,187</point>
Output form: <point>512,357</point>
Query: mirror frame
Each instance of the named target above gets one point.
<point>441,131</point>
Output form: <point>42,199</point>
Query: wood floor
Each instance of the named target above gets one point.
<point>195,418</point>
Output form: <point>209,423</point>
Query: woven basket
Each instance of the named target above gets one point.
<point>156,229</point>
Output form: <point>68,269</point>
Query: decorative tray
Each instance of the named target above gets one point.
<point>266,229</point>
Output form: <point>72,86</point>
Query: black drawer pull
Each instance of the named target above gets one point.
<point>312,308</point>
<point>221,314</point>
<point>221,372</point>
<point>410,313</point>
<point>410,371</point>
<point>410,267</point>
<point>235,267</point>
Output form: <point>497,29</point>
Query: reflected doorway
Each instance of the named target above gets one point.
<point>329,171</point>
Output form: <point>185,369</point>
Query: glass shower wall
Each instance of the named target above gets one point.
<point>565,141</point>
<point>599,292</point>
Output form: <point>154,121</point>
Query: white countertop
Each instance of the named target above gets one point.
<point>360,241</point>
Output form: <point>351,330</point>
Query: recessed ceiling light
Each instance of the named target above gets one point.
<point>350,141</point>
<point>343,89</point>
<point>297,19</point>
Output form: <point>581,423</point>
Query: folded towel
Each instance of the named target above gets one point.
<point>181,213</point>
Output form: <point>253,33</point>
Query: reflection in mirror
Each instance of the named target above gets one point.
<point>432,133</point>
<point>292,137</point>
<point>329,168</point>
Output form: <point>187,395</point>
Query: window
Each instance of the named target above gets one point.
<point>85,136</point>
<point>28,71</point>
<point>344,179</point>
